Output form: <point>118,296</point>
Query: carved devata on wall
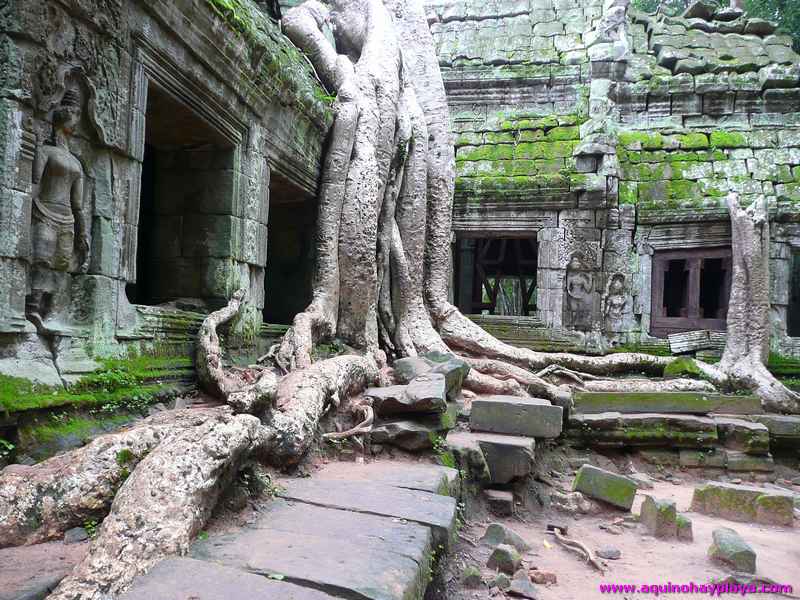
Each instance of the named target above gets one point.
<point>61,205</point>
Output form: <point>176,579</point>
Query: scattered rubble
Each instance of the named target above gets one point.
<point>731,550</point>
<point>505,558</point>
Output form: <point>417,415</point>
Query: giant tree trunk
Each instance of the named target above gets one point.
<point>748,340</point>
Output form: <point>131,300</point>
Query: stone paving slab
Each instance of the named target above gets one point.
<point>407,538</point>
<point>182,578</point>
<point>434,479</point>
<point>343,566</point>
<point>432,510</point>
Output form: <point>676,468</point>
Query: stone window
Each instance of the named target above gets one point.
<point>690,290</point>
<point>187,234</point>
<point>793,314</point>
<point>497,276</point>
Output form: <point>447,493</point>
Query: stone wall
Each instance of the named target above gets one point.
<point>77,88</point>
<point>611,135</point>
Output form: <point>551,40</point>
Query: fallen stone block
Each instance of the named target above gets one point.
<point>501,502</point>
<point>425,394</point>
<point>746,436</point>
<point>497,533</point>
<point>617,430</point>
<point>454,369</point>
<point>507,457</point>
<point>471,577</point>
<point>659,517</point>
<point>712,458</point>
<point>741,461</point>
<point>784,430</point>
<point>732,551</point>
<point>521,587</point>
<point>689,403</point>
<point>532,417</point>
<point>409,368</point>
<point>684,525</point>
<point>603,485</point>
<point>505,558</point>
<point>743,503</point>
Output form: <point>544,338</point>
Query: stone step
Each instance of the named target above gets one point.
<point>431,510</point>
<point>647,430</point>
<point>784,430</point>
<point>492,458</point>
<point>373,538</point>
<point>692,403</point>
<point>531,417</point>
<point>182,578</point>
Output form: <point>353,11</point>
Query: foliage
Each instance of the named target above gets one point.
<point>6,448</point>
<point>91,527</point>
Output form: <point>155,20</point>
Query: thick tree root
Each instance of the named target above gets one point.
<point>40,502</point>
<point>535,385</point>
<point>579,548</point>
<point>362,428</point>
<point>164,503</point>
<point>302,398</point>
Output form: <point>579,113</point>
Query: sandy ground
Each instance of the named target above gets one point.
<point>644,560</point>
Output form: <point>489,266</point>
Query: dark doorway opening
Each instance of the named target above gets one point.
<point>676,289</point>
<point>497,276</point>
<point>291,252</point>
<point>793,316</point>
<point>691,289</point>
<point>187,232</point>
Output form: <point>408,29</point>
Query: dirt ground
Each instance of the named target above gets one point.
<point>644,559</point>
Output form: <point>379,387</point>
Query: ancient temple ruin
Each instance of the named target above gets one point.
<point>295,293</point>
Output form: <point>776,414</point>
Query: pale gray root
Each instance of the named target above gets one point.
<point>483,384</point>
<point>364,427</point>
<point>535,385</point>
<point>40,502</point>
<point>748,333</point>
<point>246,390</point>
<point>579,548</point>
<point>162,506</point>
<point>649,385</point>
<point>304,396</point>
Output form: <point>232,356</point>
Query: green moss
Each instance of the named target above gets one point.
<point>783,366</point>
<point>124,456</point>
<point>78,427</point>
<point>693,141</point>
<point>728,139</point>
<point>683,367</point>
<point>636,139</point>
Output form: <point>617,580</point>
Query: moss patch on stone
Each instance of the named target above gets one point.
<point>683,367</point>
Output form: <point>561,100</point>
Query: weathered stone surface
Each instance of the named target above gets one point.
<point>658,517</point>
<point>521,587</point>
<point>417,434</point>
<point>740,461</point>
<point>710,458</point>
<point>453,368</point>
<point>424,394</point>
<point>609,553</point>
<point>613,429</point>
<point>531,417</point>
<point>507,457</point>
<point>497,533</point>
<point>684,524</point>
<point>784,430</point>
<point>434,479</point>
<point>500,502</point>
<point>434,511</point>
<point>505,558</point>
<point>667,458</point>
<point>409,368</point>
<point>744,503</point>
<point>694,403</point>
<point>471,577</point>
<point>603,485</point>
<point>738,434</point>
<point>732,551</point>
<point>642,480</point>
<point>177,578</point>
<point>75,535</point>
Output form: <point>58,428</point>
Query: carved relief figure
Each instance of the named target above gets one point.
<point>579,293</point>
<point>60,232</point>
<point>615,303</point>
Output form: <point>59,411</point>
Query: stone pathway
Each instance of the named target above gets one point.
<point>354,532</point>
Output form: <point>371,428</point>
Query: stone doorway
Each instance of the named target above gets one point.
<point>187,234</point>
<point>497,276</point>
<point>793,313</point>
<point>290,267</point>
